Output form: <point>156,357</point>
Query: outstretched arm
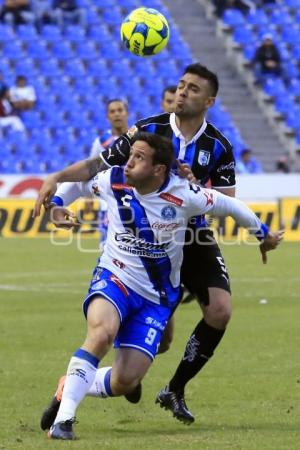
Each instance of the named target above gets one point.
<point>81,171</point>
<point>239,211</point>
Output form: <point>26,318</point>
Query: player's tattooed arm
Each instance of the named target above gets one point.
<point>81,171</point>
<point>94,165</point>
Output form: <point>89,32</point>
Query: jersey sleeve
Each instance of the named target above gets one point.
<point>223,174</point>
<point>118,153</point>
<point>203,201</point>
<point>98,186</point>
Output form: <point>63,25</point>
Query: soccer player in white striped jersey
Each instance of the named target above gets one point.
<point>136,284</point>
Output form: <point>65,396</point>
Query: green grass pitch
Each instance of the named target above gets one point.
<point>247,397</point>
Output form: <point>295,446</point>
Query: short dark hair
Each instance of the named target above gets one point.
<point>204,72</point>
<point>120,100</point>
<point>171,88</point>
<point>162,146</point>
<point>21,78</point>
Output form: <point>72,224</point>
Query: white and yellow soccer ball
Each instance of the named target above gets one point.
<point>145,32</point>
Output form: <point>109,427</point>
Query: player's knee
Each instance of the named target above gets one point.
<point>101,336</point>
<point>218,313</point>
<point>124,383</point>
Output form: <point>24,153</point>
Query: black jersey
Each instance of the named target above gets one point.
<point>208,153</point>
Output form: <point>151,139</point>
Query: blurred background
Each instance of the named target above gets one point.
<point>61,61</point>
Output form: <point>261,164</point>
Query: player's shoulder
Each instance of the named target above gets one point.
<point>214,133</point>
<point>159,119</point>
<point>178,187</point>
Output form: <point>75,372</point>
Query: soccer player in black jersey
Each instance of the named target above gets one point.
<point>203,148</point>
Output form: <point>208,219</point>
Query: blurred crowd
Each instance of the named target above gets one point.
<point>39,12</point>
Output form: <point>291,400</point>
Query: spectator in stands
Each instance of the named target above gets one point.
<point>66,12</point>
<point>282,165</point>
<point>42,12</point>
<point>22,96</point>
<point>267,60</point>
<point>242,5</point>
<point>7,118</point>
<point>17,12</point>
<point>168,99</point>
<point>247,163</point>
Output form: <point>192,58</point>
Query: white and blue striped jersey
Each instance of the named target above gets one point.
<point>144,247</point>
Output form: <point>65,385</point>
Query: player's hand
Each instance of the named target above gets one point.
<point>185,171</point>
<point>46,192</point>
<point>63,218</point>
<point>270,243</point>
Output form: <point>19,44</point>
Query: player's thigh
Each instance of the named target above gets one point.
<point>130,365</point>
<point>102,313</point>
<point>204,268</point>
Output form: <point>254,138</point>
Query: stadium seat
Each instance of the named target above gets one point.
<point>274,86</point>
<point>280,17</point>
<point>51,33</point>
<point>291,35</point>
<point>62,51</point>
<point>73,33</point>
<point>6,33</point>
<point>294,87</point>
<point>244,35</point>
<point>293,4</point>
<point>233,18</point>
<point>27,33</point>
<point>257,18</point>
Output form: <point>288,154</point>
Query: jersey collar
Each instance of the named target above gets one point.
<point>177,132</point>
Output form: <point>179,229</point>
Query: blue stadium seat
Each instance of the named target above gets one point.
<point>51,33</point>
<point>274,86</point>
<point>62,51</point>
<point>233,18</point>
<point>38,50</point>
<point>280,17</point>
<point>295,51</point>
<point>112,16</point>
<point>284,104</point>
<point>290,69</point>
<point>294,87</point>
<point>86,51</point>
<point>244,35</point>
<point>6,33</point>
<point>257,18</point>
<point>73,34</point>
<point>13,50</point>
<point>27,33</point>
<point>294,4</point>
<point>291,35</point>
<point>50,68</point>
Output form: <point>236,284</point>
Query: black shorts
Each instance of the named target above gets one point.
<point>203,266</point>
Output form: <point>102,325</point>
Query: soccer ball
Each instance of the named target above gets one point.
<point>145,32</point>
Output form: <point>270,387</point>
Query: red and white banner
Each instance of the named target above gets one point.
<point>24,186</point>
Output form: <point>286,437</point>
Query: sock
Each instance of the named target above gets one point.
<point>80,376</point>
<point>198,350</point>
<point>101,386</point>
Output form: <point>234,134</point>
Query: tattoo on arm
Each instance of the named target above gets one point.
<point>94,166</point>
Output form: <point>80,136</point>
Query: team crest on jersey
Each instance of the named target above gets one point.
<point>99,285</point>
<point>203,158</point>
<point>95,189</point>
<point>168,213</point>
